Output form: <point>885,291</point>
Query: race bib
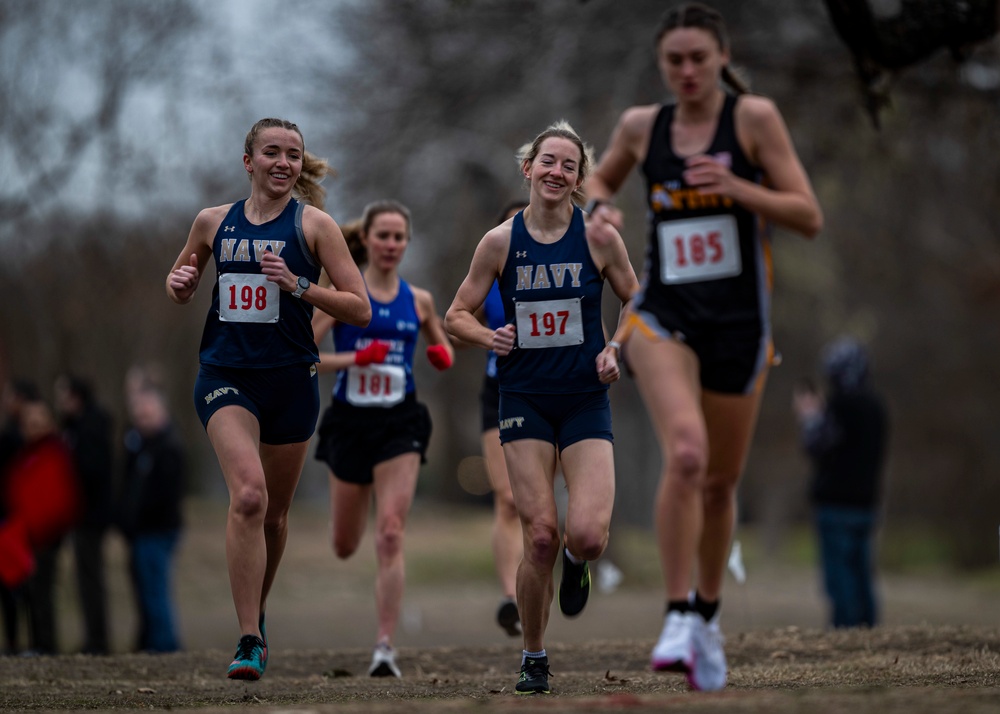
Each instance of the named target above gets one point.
<point>697,249</point>
<point>376,385</point>
<point>549,323</point>
<point>248,297</point>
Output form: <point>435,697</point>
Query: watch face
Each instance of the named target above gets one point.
<point>303,283</point>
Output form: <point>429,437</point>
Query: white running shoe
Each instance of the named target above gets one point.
<point>709,671</point>
<point>674,651</point>
<point>384,662</point>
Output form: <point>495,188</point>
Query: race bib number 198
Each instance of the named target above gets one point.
<point>248,297</point>
<point>696,249</point>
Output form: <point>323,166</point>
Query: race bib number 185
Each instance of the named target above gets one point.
<point>696,249</point>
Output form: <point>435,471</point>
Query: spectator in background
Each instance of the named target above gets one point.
<point>845,437</point>
<point>150,513</point>
<point>42,500</point>
<point>86,427</point>
<point>15,393</point>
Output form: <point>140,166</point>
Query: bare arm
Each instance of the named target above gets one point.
<point>460,320</point>
<point>610,255</point>
<point>787,199</point>
<point>346,299</point>
<point>431,324</point>
<point>625,150</point>
<point>185,275</point>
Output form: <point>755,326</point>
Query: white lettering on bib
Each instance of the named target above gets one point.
<point>549,323</point>
<point>696,249</point>
<point>248,297</point>
<point>376,385</point>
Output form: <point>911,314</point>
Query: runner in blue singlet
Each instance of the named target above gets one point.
<point>375,433</point>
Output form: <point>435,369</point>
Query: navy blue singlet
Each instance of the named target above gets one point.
<point>252,322</point>
<point>552,292</point>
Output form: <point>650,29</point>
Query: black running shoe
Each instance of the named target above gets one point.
<point>534,677</point>
<point>574,588</point>
<point>508,618</point>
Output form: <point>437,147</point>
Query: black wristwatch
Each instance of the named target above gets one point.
<point>303,285</point>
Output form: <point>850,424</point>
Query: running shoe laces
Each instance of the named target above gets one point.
<point>248,663</point>
<point>534,677</point>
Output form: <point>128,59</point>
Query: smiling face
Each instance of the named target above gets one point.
<point>386,240</point>
<point>276,162</point>
<point>691,61</point>
<point>554,172</point>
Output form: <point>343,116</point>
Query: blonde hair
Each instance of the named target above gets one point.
<point>314,169</point>
<point>562,130</point>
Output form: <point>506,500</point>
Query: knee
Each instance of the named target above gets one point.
<point>687,462</point>
<point>389,539</point>
<point>541,544</point>
<point>344,546</point>
<point>588,545</point>
<point>720,491</point>
<point>249,501</point>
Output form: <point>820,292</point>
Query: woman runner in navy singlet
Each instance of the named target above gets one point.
<point>257,393</point>
<point>718,165</point>
<point>554,369</point>
<point>375,433</point>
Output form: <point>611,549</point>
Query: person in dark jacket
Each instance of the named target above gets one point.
<point>151,515</point>
<point>845,436</point>
<point>86,427</point>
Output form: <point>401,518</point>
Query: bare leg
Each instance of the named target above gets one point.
<point>531,465</point>
<point>395,484</point>
<point>667,375</point>
<point>507,542</point>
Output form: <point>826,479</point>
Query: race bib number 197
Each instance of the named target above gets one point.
<point>248,297</point>
<point>696,249</point>
<point>549,323</point>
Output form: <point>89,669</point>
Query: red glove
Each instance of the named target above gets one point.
<point>438,356</point>
<point>372,354</point>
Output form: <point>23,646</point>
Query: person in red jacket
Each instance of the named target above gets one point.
<point>42,498</point>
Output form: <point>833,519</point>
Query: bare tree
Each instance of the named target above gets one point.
<point>66,73</point>
<point>884,44</point>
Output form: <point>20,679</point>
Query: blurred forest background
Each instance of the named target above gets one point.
<point>122,118</point>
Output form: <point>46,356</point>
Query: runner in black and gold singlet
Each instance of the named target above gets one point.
<point>717,168</point>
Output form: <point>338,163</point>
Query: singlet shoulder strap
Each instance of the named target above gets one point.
<point>300,235</point>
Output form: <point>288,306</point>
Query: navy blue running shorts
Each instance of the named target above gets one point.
<point>560,419</point>
<point>352,440</point>
<point>285,400</point>
<point>489,403</point>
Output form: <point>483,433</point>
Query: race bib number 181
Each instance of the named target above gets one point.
<point>248,297</point>
<point>696,249</point>
<point>376,385</point>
